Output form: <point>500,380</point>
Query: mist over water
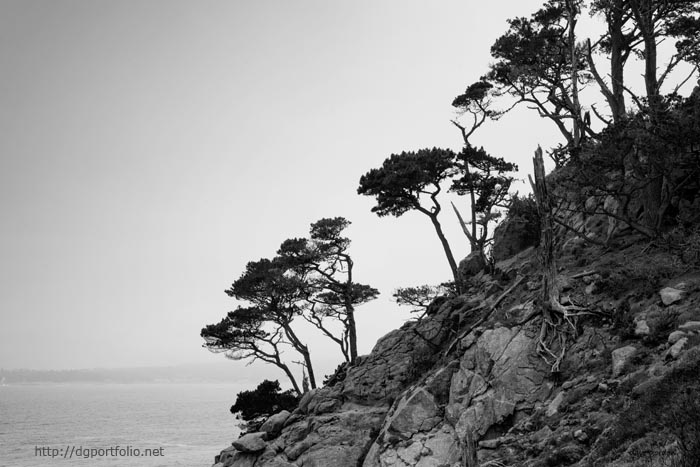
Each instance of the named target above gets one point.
<point>191,422</point>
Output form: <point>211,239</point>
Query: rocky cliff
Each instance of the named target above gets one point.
<point>470,378</point>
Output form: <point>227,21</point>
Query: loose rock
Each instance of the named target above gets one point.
<point>252,442</point>
<point>677,348</point>
<point>675,336</point>
<point>669,295</point>
<point>275,423</point>
<point>620,357</point>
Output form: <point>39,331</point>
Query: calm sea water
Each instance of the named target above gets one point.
<point>191,422</point>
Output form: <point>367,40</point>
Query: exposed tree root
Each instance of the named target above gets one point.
<point>558,320</point>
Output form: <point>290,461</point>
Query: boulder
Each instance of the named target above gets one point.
<point>553,407</point>
<point>641,328</point>
<point>318,401</point>
<point>275,423</point>
<point>678,347</point>
<point>669,295</point>
<point>252,442</point>
<point>472,265</point>
<point>620,358</point>
<point>513,236</point>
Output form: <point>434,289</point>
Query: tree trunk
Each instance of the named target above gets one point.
<point>352,335</point>
<point>643,11</point>
<point>448,251</point>
<point>309,367</point>
<point>303,350</point>
<point>547,232</point>
<point>617,45</point>
<point>578,130</point>
<point>289,374</point>
<point>350,312</point>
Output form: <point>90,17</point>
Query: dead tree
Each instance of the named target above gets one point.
<point>558,320</point>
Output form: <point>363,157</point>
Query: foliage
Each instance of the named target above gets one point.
<point>324,266</point>
<point>403,182</point>
<point>476,101</point>
<point>483,178</point>
<point>537,63</point>
<point>643,168</point>
<point>412,181</point>
<point>403,179</point>
<point>420,297</point>
<point>525,208</point>
<point>260,331</point>
<point>265,400</point>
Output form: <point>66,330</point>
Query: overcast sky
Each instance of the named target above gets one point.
<point>148,150</point>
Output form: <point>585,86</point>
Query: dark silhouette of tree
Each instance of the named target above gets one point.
<point>538,64</point>
<point>478,174</point>
<point>618,42</point>
<point>327,268</point>
<point>241,335</point>
<point>483,178</point>
<point>278,295</point>
<point>477,102</point>
<point>403,183</point>
<point>421,296</point>
<point>259,331</point>
<point>655,20</point>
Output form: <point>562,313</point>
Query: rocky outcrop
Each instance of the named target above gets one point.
<point>473,371</point>
<point>399,358</point>
<point>497,378</point>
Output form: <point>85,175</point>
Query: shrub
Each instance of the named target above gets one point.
<point>526,208</point>
<point>267,399</point>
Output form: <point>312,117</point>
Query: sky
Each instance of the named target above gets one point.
<point>149,150</point>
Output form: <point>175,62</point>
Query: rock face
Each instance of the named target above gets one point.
<point>397,359</point>
<point>474,372</point>
<point>497,377</point>
<point>335,426</point>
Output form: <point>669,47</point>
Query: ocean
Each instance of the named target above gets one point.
<point>124,425</point>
